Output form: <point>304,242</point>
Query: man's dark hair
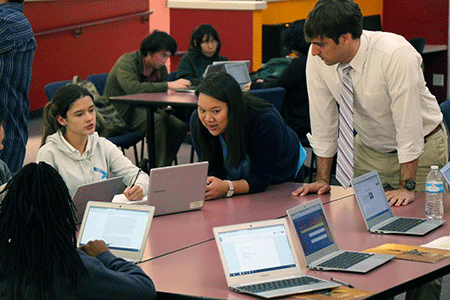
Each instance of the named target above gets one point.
<point>333,18</point>
<point>16,1</point>
<point>158,41</point>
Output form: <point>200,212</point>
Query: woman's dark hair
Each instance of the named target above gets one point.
<point>333,18</point>
<point>158,41</point>
<point>199,33</point>
<point>294,38</point>
<point>61,102</point>
<point>223,87</point>
<point>38,240</point>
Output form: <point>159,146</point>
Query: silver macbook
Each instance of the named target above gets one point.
<point>377,213</point>
<point>246,62</point>
<point>103,191</point>
<point>320,249</point>
<point>178,188</point>
<point>259,259</point>
<point>124,228</point>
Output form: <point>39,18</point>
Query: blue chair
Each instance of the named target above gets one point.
<point>51,88</point>
<point>99,80</point>
<point>123,141</point>
<point>273,95</point>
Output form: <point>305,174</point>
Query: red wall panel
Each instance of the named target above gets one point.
<point>60,56</point>
<point>235,29</point>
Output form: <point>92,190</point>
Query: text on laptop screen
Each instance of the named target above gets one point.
<point>312,229</point>
<point>255,250</point>
<point>121,229</point>
<point>371,197</point>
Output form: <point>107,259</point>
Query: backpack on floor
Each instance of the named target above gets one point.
<point>109,122</point>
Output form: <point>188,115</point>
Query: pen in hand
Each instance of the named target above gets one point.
<point>137,175</point>
<point>342,282</point>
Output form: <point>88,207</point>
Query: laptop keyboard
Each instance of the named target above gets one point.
<point>402,224</point>
<point>280,284</point>
<point>345,260</point>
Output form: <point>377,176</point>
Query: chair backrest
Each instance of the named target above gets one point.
<point>52,87</point>
<point>273,95</point>
<point>172,76</point>
<point>99,80</point>
<point>418,44</point>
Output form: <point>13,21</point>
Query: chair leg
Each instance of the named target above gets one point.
<point>136,156</point>
<point>192,154</point>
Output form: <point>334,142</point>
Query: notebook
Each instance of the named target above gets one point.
<point>103,191</point>
<point>124,228</point>
<point>259,259</point>
<point>445,171</point>
<point>320,249</point>
<point>377,213</point>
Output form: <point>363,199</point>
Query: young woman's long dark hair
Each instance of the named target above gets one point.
<point>225,88</point>
<point>38,234</point>
<point>61,102</point>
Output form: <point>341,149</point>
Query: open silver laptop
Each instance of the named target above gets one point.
<point>319,247</point>
<point>246,62</point>
<point>259,259</point>
<point>124,228</point>
<point>178,188</point>
<point>103,191</point>
<point>239,71</point>
<point>377,213</point>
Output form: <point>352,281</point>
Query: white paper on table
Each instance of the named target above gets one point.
<point>120,198</point>
<point>440,243</point>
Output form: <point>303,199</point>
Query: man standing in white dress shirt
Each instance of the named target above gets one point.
<point>399,125</point>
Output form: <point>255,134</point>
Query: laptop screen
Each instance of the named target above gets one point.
<point>312,229</point>
<point>239,72</point>
<point>256,250</point>
<point>371,197</point>
<point>121,229</point>
<point>445,171</point>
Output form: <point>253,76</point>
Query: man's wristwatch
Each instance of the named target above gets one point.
<point>409,184</point>
<point>230,189</point>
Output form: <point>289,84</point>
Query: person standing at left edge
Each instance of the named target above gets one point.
<point>17,46</point>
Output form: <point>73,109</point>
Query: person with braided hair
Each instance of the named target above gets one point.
<point>71,145</point>
<point>39,259</point>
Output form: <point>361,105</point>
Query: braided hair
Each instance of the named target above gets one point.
<point>38,234</point>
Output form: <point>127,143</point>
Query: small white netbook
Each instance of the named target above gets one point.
<point>123,227</point>
<point>101,191</point>
<point>258,258</point>
<point>319,247</point>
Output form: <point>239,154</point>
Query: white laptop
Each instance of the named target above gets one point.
<point>319,247</point>
<point>377,213</point>
<point>103,191</point>
<point>124,228</point>
<point>259,259</point>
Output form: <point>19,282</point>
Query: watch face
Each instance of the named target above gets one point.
<point>230,193</point>
<point>410,185</point>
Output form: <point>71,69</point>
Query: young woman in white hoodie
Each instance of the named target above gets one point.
<point>71,145</point>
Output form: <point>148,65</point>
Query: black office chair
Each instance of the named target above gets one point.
<point>123,141</point>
